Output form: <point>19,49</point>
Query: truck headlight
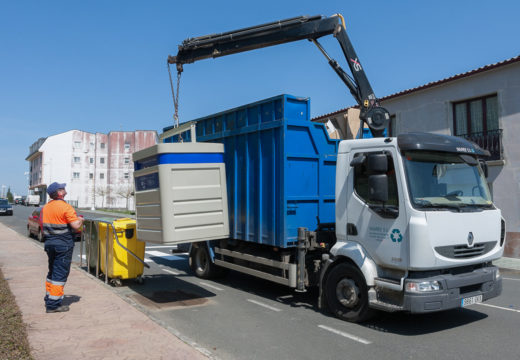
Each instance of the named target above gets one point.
<point>423,286</point>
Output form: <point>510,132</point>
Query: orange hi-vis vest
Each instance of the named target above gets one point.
<point>56,216</point>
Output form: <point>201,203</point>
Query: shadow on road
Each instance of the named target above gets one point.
<point>396,323</point>
<point>163,291</point>
<point>421,324</point>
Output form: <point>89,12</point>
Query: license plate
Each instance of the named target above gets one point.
<point>471,300</point>
<point>2,210</point>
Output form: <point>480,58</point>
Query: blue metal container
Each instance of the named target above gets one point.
<point>280,168</point>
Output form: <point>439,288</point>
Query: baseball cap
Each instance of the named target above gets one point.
<point>52,188</point>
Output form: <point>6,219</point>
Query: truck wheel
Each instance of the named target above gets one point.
<point>201,265</point>
<point>347,293</point>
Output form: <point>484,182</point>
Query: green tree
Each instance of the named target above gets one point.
<point>9,195</point>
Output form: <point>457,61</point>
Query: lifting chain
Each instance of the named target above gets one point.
<point>175,96</point>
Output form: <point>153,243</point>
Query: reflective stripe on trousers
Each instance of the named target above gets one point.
<point>54,289</point>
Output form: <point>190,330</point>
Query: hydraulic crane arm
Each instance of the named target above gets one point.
<point>284,31</point>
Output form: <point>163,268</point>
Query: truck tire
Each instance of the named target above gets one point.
<point>347,293</point>
<point>201,264</point>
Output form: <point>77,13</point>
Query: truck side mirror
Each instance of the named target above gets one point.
<point>378,188</point>
<point>484,166</point>
<point>377,163</point>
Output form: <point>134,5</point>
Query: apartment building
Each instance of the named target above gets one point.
<point>97,168</point>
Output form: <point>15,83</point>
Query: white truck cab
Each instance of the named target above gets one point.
<point>415,215</point>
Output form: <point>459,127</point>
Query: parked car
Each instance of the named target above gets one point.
<point>5,207</point>
<point>35,226</point>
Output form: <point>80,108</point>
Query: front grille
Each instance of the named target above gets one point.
<point>464,251</point>
<point>470,289</point>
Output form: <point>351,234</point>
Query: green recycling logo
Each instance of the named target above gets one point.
<point>396,236</point>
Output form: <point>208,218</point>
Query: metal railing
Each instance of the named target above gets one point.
<point>488,140</point>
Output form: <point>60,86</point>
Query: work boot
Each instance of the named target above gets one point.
<point>61,308</point>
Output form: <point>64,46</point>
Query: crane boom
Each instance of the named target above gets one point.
<point>288,30</point>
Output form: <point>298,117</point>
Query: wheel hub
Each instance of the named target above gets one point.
<point>347,293</point>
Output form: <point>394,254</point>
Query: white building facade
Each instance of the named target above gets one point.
<point>97,168</point>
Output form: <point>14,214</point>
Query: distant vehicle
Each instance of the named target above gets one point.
<point>17,199</point>
<point>23,200</point>
<point>35,226</point>
<point>5,207</point>
<point>32,200</point>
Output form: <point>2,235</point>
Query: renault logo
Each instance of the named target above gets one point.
<point>470,239</point>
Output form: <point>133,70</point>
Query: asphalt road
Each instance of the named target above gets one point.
<point>241,317</point>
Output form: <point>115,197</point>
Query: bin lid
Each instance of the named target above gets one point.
<point>124,223</point>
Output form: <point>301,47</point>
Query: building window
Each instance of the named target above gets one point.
<point>102,145</point>
<point>75,175</point>
<point>91,160</point>
<point>76,159</point>
<point>476,115</point>
<point>477,120</point>
<point>127,175</point>
<point>127,160</point>
<point>102,160</point>
<point>127,146</point>
<point>77,144</point>
<point>91,176</point>
<point>102,176</point>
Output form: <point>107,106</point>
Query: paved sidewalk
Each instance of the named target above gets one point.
<point>99,325</point>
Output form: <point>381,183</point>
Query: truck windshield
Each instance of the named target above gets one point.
<point>439,181</point>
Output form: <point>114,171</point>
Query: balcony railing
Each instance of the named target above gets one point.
<point>488,140</point>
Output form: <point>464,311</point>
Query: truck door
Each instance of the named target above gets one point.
<point>381,228</point>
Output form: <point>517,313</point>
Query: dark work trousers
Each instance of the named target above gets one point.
<point>60,258</point>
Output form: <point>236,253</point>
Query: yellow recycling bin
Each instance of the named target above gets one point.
<point>121,263</point>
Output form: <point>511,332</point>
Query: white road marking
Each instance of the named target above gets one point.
<point>210,286</point>
<point>344,334</point>
<point>163,255</point>
<point>156,253</point>
<point>511,279</point>
<point>159,247</point>
<point>284,297</point>
<point>171,272</point>
<point>263,305</point>
<point>82,256</point>
<point>499,307</point>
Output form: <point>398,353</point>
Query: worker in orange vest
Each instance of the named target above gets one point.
<point>59,223</point>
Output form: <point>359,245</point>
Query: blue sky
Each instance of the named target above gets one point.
<point>100,66</point>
